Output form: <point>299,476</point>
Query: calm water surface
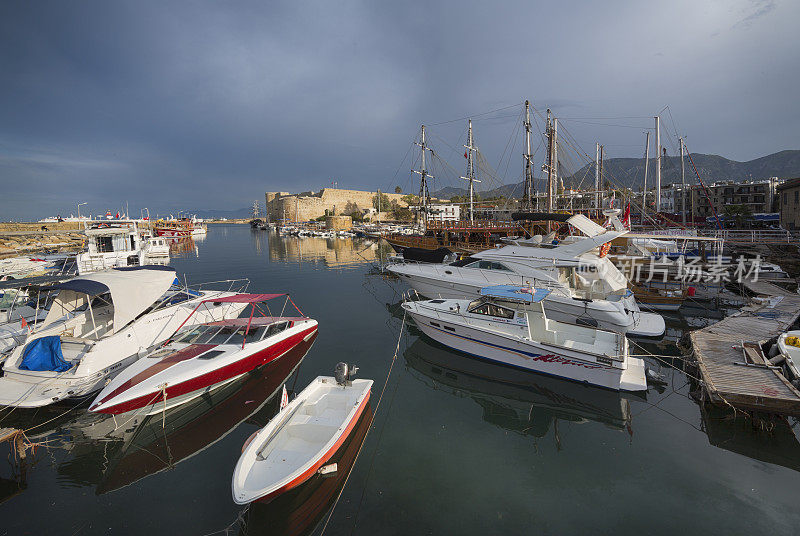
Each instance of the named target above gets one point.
<point>456,446</point>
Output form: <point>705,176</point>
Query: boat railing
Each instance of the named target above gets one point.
<point>758,235</point>
<point>233,285</point>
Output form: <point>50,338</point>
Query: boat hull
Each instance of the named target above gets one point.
<point>307,434</point>
<point>530,355</point>
<point>560,308</point>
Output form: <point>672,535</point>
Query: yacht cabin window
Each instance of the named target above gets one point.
<point>488,265</point>
<point>492,309</point>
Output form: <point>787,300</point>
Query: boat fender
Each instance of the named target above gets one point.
<point>249,440</point>
<point>773,350</point>
<point>654,377</point>
<point>327,471</point>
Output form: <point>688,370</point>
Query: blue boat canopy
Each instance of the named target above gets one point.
<point>517,293</point>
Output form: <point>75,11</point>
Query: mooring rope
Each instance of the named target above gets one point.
<point>377,406</point>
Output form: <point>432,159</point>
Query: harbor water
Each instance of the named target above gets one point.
<point>455,445</point>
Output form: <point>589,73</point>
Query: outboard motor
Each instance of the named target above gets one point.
<point>344,374</point>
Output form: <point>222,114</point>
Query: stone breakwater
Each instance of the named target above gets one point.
<point>22,238</point>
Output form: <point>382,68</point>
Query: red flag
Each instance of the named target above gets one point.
<point>626,217</point>
<point>284,397</point>
<point>117,216</point>
<point>24,323</point>
<point>465,154</point>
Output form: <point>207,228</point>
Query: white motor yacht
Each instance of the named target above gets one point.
<point>99,324</point>
<point>156,247</point>
<point>585,287</point>
<point>111,244</point>
<point>508,325</point>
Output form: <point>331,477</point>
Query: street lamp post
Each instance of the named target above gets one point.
<point>79,213</point>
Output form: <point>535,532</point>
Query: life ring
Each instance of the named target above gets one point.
<point>604,249</point>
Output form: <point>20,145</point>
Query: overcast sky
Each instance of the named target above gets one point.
<point>180,105</point>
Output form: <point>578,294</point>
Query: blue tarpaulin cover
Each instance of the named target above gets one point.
<point>44,354</point>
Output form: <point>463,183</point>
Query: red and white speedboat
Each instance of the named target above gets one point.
<point>207,356</point>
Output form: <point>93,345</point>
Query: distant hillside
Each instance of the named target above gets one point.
<point>629,172</point>
<point>229,214</point>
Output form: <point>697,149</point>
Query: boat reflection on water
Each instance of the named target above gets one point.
<point>185,248</point>
<point>113,453</point>
<point>329,252</point>
<point>160,442</point>
<point>516,400</point>
<point>300,510</point>
<point>738,434</point>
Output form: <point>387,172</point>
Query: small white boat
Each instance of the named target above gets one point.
<point>789,346</point>
<point>301,438</point>
<point>508,325</point>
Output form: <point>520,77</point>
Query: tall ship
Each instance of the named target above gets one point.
<point>471,233</point>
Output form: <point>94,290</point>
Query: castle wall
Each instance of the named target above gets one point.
<point>309,205</point>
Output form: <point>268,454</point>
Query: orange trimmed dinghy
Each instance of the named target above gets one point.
<point>301,438</point>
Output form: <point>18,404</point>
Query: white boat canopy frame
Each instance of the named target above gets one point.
<point>253,300</point>
<point>132,291</point>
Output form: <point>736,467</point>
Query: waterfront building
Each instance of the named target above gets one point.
<point>789,202</point>
<point>444,212</point>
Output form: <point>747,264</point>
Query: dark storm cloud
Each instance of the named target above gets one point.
<point>209,104</point>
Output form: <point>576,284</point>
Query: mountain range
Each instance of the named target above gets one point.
<point>629,172</point>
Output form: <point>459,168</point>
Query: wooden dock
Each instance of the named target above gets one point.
<point>730,360</point>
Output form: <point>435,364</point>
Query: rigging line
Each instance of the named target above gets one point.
<point>475,115</point>
<point>363,441</point>
<point>606,124</point>
<point>513,136</point>
<point>604,118</point>
<point>401,163</point>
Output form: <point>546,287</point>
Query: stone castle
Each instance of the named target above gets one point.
<point>311,205</point>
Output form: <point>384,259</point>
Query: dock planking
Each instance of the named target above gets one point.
<point>730,360</point>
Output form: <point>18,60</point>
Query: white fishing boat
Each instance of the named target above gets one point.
<point>586,288</point>
<point>301,438</point>
<point>207,356</point>
<point>508,325</point>
<point>99,324</point>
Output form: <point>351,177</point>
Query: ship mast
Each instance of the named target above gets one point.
<point>424,194</point>
<point>470,171</point>
<point>658,164</point>
<point>683,185</point>
<point>597,177</point>
<point>646,165</point>
<point>527,195</point>
<point>552,159</point>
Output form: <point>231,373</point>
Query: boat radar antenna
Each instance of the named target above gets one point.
<point>344,373</point>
